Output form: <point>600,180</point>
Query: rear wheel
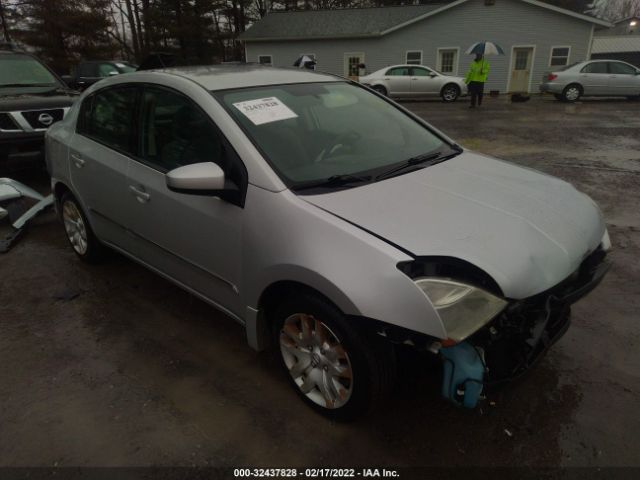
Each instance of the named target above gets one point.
<point>572,93</point>
<point>78,230</point>
<point>335,370</point>
<point>380,89</point>
<point>450,92</point>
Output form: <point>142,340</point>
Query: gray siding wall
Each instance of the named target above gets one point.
<point>508,23</point>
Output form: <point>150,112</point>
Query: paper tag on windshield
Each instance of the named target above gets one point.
<point>265,110</point>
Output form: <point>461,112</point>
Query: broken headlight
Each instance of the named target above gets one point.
<point>463,309</point>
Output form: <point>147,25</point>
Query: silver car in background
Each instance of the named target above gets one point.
<point>415,81</point>
<point>330,222</point>
<point>594,78</point>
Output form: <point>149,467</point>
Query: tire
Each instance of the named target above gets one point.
<point>450,92</point>
<point>572,93</point>
<point>380,89</point>
<point>78,230</point>
<point>313,340</point>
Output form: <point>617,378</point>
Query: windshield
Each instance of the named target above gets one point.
<point>23,70</point>
<point>316,131</point>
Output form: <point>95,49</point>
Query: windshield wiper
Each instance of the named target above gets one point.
<point>427,158</point>
<point>13,85</point>
<point>333,181</point>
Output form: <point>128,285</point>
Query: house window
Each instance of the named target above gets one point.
<point>559,56</point>
<point>414,57</point>
<point>447,61</point>
<point>265,59</point>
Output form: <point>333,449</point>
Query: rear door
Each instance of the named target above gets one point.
<point>100,152</point>
<point>398,81</point>
<point>425,81</point>
<point>194,239</point>
<point>594,78</point>
<point>623,79</point>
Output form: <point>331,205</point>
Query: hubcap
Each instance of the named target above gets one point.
<point>450,93</point>
<point>75,227</point>
<point>573,93</point>
<point>317,361</point>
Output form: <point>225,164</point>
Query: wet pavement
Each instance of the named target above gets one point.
<point>111,365</point>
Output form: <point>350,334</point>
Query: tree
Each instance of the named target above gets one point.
<point>614,9</point>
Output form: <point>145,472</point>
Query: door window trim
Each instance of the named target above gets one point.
<point>605,62</point>
<point>138,158</point>
<point>80,125</point>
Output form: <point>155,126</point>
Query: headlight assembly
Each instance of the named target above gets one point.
<point>463,309</point>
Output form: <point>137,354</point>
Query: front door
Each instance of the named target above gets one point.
<point>522,59</point>
<point>194,239</point>
<point>99,159</point>
<point>424,81</point>
<point>352,63</point>
<point>623,79</point>
<point>398,81</point>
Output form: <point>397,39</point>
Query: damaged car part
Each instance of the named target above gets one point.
<point>14,193</point>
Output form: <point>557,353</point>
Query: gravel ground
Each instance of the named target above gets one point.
<point>111,365</point>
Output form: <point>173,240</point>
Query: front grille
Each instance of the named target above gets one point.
<point>34,117</point>
<point>7,123</point>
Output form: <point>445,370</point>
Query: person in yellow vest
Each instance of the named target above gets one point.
<point>476,78</point>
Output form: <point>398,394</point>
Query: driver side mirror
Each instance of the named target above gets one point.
<point>432,74</point>
<point>113,72</point>
<point>205,178</point>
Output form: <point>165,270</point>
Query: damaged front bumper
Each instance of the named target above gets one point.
<point>518,338</point>
<point>11,195</point>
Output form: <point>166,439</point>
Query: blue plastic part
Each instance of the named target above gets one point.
<point>463,373</point>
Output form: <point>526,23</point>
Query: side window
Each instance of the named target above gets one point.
<point>176,133</point>
<point>398,72</point>
<point>87,70</point>
<point>420,72</point>
<point>621,68</point>
<point>111,118</point>
<point>84,116</point>
<point>595,67</point>
<point>106,69</point>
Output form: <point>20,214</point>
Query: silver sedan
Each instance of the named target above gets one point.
<point>332,224</point>
<point>414,81</point>
<point>603,78</point>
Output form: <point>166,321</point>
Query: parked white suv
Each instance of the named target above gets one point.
<point>330,222</point>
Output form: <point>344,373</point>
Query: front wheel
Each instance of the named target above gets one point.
<point>450,93</point>
<point>336,370</point>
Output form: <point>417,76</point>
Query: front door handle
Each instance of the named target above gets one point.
<point>77,160</point>
<point>140,194</point>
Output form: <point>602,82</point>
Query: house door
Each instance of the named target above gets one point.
<point>522,59</point>
<point>351,62</point>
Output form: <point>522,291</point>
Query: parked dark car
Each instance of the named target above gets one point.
<point>90,72</point>
<point>32,98</point>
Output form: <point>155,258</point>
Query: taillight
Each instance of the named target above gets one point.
<point>551,77</point>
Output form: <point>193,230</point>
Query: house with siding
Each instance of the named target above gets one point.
<point>535,36</point>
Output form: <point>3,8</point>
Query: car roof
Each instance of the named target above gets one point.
<point>223,77</point>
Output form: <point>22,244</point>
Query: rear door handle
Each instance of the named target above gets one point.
<point>77,160</point>
<point>140,194</point>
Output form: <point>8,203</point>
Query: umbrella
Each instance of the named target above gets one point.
<point>485,48</point>
<point>305,61</point>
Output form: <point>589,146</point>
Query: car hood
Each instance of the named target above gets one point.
<point>36,101</point>
<point>526,229</point>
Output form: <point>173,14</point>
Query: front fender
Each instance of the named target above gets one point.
<point>288,239</point>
